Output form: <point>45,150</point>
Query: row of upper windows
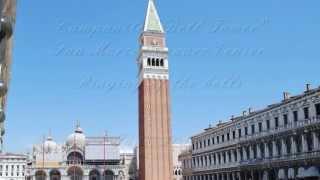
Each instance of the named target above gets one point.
<point>232,135</point>
<point>12,174</point>
<point>268,150</point>
<point>155,62</point>
<point>12,167</point>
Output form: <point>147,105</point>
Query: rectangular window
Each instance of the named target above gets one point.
<point>268,124</point>
<point>222,138</point>
<point>209,142</point>
<point>246,131</point>
<point>212,140</point>
<point>306,112</point>
<point>239,133</point>
<point>285,119</point>
<point>218,139</point>
<point>276,122</point>
<point>234,134</point>
<point>253,129</point>
<point>260,126</point>
<point>295,116</point>
<point>228,136</point>
<point>318,109</point>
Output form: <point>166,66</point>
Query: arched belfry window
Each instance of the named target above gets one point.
<point>149,62</point>
<point>161,63</point>
<point>157,62</point>
<point>153,62</point>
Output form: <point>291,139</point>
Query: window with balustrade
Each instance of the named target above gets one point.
<point>306,112</point>
<point>262,150</point>
<point>309,141</point>
<point>270,149</point>
<point>288,145</point>
<point>253,129</point>
<point>268,124</point>
<point>276,122</point>
<point>318,109</point>
<point>295,116</point>
<point>285,119</point>
<point>279,147</point>
<point>298,140</point>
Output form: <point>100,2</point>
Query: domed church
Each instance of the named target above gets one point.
<point>81,158</point>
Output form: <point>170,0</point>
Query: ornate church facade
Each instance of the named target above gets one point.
<point>81,158</point>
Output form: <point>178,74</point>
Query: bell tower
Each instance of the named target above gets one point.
<point>155,137</point>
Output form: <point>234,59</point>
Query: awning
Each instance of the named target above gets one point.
<point>291,173</point>
<point>301,173</point>
<point>281,174</point>
<point>312,172</point>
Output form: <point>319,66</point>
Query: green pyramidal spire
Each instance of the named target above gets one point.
<point>152,22</point>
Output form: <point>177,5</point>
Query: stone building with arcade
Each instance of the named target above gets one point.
<point>80,158</point>
<point>278,142</point>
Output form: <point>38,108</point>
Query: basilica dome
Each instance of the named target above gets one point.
<point>77,138</point>
<point>50,145</point>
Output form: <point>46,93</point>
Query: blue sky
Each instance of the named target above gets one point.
<point>76,60</point>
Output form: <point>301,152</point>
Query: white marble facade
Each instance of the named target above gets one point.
<point>12,166</point>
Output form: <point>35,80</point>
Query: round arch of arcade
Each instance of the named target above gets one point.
<point>75,173</point>
<point>108,174</point>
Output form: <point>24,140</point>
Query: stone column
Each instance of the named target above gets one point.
<point>274,149</point>
<point>293,145</point>
<point>233,176</point>
<point>265,175</point>
<point>212,159</point>
<point>315,140</point>
<point>244,153</point>
<point>227,157</point>
<point>259,151</point>
<point>222,177</point>
<point>233,158</point>
<point>238,154</point>
<point>251,152</point>
<point>216,155</point>
<point>228,176</point>
<point>284,147</point>
<point>304,143</point>
<point>266,150</point>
